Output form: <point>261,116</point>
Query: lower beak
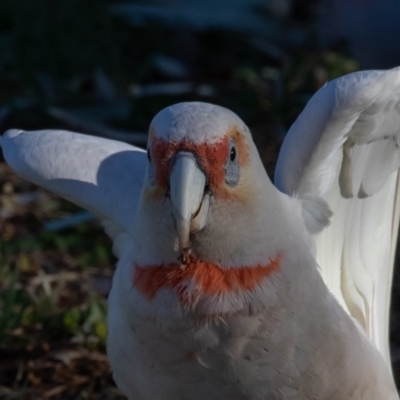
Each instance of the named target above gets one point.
<point>189,202</point>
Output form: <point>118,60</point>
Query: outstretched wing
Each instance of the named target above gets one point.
<point>101,175</point>
<point>344,149</point>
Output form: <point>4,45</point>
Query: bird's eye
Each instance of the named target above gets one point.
<point>150,169</point>
<point>232,165</point>
<point>232,154</point>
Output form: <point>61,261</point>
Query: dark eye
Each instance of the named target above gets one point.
<point>232,168</point>
<point>148,155</point>
<point>232,154</point>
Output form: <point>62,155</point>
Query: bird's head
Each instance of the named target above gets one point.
<point>197,153</point>
<point>229,224</point>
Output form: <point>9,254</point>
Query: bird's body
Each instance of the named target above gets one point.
<point>221,289</point>
<point>269,344</point>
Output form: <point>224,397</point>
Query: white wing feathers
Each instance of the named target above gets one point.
<point>101,175</point>
<point>359,108</point>
<point>344,149</point>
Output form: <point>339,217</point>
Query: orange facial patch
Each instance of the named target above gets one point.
<point>199,278</point>
<point>211,156</point>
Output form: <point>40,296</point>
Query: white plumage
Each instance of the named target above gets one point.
<point>244,313</point>
<point>352,130</point>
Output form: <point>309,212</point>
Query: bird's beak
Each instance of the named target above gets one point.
<point>189,201</point>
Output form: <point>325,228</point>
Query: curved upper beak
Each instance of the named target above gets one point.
<point>189,201</point>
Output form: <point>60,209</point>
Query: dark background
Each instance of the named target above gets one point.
<point>106,68</point>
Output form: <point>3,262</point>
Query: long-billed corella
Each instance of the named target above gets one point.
<point>231,287</point>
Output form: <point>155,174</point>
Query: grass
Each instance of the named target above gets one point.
<point>53,301</point>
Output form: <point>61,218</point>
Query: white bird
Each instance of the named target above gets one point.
<point>228,287</point>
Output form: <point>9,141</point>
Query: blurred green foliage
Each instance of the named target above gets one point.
<point>29,298</point>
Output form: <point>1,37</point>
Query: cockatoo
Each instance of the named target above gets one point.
<point>228,287</point>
